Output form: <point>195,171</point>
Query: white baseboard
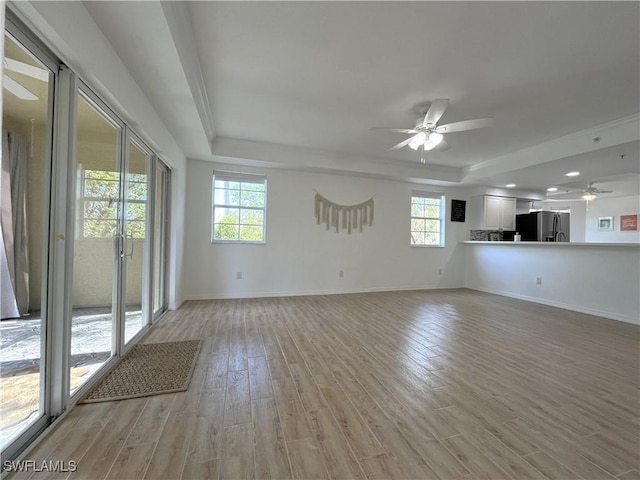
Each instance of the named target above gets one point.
<point>178,305</point>
<point>566,306</point>
<point>300,293</point>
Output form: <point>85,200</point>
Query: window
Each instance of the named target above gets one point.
<point>427,219</point>
<point>239,204</point>
<point>100,199</point>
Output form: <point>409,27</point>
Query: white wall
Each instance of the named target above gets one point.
<point>301,257</point>
<point>597,279</point>
<point>178,231</point>
<point>577,221</point>
<point>611,207</point>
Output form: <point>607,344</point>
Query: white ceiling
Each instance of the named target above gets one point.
<point>301,84</point>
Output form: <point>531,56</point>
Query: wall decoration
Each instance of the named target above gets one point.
<point>458,208</point>
<point>347,217</point>
<point>605,224</point>
<point>629,223</point>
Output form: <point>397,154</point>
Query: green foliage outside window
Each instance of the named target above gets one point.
<point>238,214</point>
<point>426,221</point>
<point>228,229</point>
<point>101,202</point>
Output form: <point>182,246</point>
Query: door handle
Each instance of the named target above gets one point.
<point>127,243</point>
<point>119,245</point>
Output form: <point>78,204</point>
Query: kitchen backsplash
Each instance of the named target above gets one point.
<point>486,235</point>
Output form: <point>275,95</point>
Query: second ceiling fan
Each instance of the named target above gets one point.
<point>428,134</point>
<point>590,193</point>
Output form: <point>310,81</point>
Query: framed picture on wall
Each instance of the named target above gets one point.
<point>458,210</point>
<point>629,223</point>
<point>605,224</point>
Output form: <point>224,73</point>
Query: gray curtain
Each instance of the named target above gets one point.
<point>14,257</point>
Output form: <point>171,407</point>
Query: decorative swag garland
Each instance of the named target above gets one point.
<point>347,216</point>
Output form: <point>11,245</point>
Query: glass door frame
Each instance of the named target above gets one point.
<point>165,209</point>
<point>78,88</point>
<point>146,307</point>
<point>21,35</point>
<point>126,137</point>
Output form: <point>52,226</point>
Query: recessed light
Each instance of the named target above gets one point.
<point>572,174</point>
<point>552,189</point>
<point>510,185</point>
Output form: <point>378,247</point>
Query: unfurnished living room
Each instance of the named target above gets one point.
<point>278,240</point>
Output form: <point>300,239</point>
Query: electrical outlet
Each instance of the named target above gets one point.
<point>341,274</point>
<point>238,275</point>
<point>538,280</point>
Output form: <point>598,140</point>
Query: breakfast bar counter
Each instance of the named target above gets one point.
<point>552,244</point>
<point>602,279</point>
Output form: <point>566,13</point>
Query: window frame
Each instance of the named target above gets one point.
<point>441,219</point>
<point>240,178</point>
<point>84,199</point>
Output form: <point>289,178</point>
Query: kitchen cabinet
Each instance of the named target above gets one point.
<point>508,213</point>
<point>494,213</point>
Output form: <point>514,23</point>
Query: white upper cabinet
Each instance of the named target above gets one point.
<point>494,213</point>
<point>508,217</point>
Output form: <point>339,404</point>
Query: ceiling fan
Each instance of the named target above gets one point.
<point>589,193</point>
<point>16,88</point>
<point>592,192</point>
<point>428,134</point>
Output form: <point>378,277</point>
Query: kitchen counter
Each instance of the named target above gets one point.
<point>601,279</point>
<point>552,244</point>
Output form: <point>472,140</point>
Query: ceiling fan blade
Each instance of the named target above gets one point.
<point>597,190</point>
<point>465,125</point>
<point>568,199</point>
<point>401,144</point>
<point>564,189</point>
<point>18,90</point>
<point>26,69</point>
<point>396,130</point>
<point>443,146</point>
<point>435,111</point>
<point>565,195</point>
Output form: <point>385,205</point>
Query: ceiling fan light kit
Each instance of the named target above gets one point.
<point>429,142</point>
<point>428,135</point>
<point>417,140</point>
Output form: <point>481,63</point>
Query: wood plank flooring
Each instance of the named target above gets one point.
<point>449,384</point>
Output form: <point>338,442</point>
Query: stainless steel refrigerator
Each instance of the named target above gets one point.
<point>543,226</point>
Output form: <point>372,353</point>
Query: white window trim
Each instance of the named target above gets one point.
<point>435,195</point>
<point>238,177</point>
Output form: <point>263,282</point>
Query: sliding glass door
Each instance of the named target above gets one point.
<point>27,129</point>
<point>160,241</point>
<point>111,274</point>
<point>134,291</point>
<point>114,227</point>
<point>97,241</point>
<point>83,238</point>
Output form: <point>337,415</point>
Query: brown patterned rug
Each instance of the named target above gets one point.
<point>148,369</point>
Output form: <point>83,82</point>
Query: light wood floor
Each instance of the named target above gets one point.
<point>421,385</point>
